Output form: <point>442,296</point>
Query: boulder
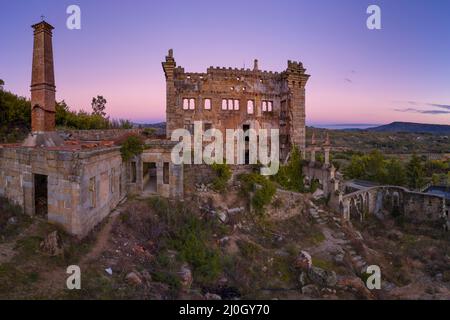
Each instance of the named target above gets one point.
<point>12,220</point>
<point>185,275</point>
<point>303,260</point>
<point>212,296</point>
<point>222,216</point>
<point>355,284</point>
<point>146,276</point>
<point>52,245</point>
<point>310,290</point>
<point>318,194</point>
<point>339,258</point>
<point>321,277</point>
<point>134,278</point>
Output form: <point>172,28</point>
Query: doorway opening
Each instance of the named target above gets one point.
<point>149,177</point>
<point>246,128</point>
<point>40,195</point>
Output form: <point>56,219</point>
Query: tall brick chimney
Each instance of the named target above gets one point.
<point>42,80</point>
<point>43,111</point>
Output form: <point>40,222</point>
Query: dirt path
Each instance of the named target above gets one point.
<point>101,242</point>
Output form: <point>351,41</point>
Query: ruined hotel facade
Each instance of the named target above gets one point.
<point>226,98</point>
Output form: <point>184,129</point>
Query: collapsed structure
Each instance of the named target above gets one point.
<point>77,181</point>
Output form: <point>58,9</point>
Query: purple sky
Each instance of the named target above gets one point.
<point>399,73</point>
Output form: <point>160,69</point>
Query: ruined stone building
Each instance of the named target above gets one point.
<point>226,98</point>
<point>76,182</point>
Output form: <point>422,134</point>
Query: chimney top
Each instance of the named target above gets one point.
<point>42,26</point>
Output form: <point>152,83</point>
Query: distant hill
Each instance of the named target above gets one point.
<point>412,128</point>
<point>160,126</point>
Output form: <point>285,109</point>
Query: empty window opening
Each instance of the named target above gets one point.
<point>191,104</point>
<point>149,177</point>
<point>250,106</point>
<point>207,104</point>
<point>224,104</point>
<point>230,104</point>
<point>267,106</point>
<point>188,104</point>
<point>236,104</point>
<point>166,173</point>
<point>185,104</point>
<point>133,172</point>
<point>40,195</point>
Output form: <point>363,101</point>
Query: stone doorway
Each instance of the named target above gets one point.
<point>40,195</point>
<point>149,177</point>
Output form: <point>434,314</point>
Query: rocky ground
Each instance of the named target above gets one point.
<point>210,247</point>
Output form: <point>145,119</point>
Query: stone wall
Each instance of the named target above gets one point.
<point>385,200</point>
<point>68,183</point>
<point>102,187</point>
<point>159,153</point>
<point>97,135</point>
<point>324,174</point>
<point>188,94</point>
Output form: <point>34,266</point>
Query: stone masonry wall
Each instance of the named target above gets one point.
<point>68,175</point>
<point>285,91</point>
<point>97,135</point>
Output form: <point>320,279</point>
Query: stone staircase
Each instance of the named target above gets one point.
<point>358,262</point>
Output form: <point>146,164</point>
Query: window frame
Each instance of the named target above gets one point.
<point>252,106</point>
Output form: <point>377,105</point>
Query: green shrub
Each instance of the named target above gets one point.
<point>314,185</point>
<point>159,205</point>
<point>132,146</point>
<point>290,176</point>
<point>223,174</point>
<point>190,240</point>
<point>262,188</point>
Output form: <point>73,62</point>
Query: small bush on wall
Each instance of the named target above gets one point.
<point>131,147</point>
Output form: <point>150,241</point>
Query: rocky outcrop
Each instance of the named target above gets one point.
<point>52,245</point>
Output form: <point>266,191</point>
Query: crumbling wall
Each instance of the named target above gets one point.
<point>415,206</point>
<point>102,186</point>
<point>226,98</point>
<point>97,135</point>
<point>158,152</point>
<point>68,190</point>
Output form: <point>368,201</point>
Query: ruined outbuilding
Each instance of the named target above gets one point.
<point>77,181</point>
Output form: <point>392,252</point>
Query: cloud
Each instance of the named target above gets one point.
<point>414,110</point>
<point>444,106</point>
<point>348,80</point>
<point>424,108</point>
